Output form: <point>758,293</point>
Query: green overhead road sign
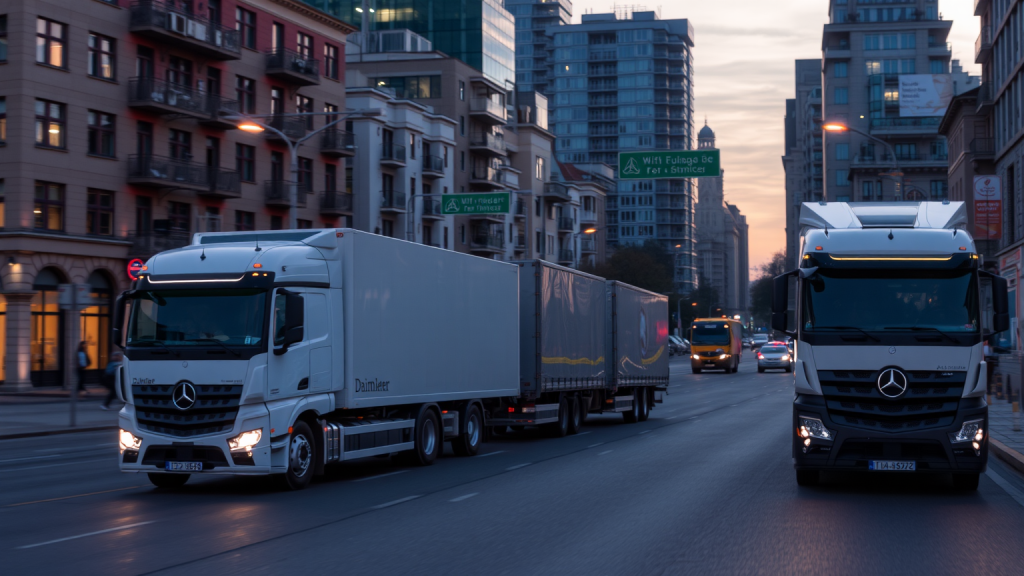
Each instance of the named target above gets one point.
<point>674,164</point>
<point>491,203</point>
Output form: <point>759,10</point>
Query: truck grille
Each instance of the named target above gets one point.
<point>214,410</point>
<point>931,400</point>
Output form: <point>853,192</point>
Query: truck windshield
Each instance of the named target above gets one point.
<point>881,300</point>
<point>710,333</point>
<point>197,317</point>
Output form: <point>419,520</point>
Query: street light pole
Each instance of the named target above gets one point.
<point>897,174</point>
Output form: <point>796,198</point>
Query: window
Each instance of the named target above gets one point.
<point>462,160</point>
<point>3,193</point>
<point>144,138</point>
<point>411,87</point>
<point>388,228</point>
<point>840,70</point>
<point>101,134</point>
<point>304,45</point>
<point>276,101</point>
<point>99,215</point>
<point>50,43</point>
<point>179,71</point>
<point>304,105</point>
<point>244,221</point>
<point>49,206</point>
<point>245,23</point>
<point>244,162</point>
<point>276,222</point>
<point>842,151</point>
<point>180,147</point>
<point>842,177</point>
<point>330,177</point>
<point>462,125</point>
<point>49,124</point>
<point>3,120</point>
<point>276,37</point>
<point>102,55</point>
<point>305,174</point>
<point>462,90</point>
<point>841,96</point>
<point>144,66</point>
<point>179,216</point>
<point>936,67</point>
<point>330,61</point>
<point>939,190</point>
<point>143,215</point>
<point>303,224</point>
<point>412,146</point>
<point>539,169</point>
<point>3,38</point>
<point>872,67</point>
<point>245,93</point>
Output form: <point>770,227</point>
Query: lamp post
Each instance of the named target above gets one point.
<point>253,124</point>
<point>897,174</point>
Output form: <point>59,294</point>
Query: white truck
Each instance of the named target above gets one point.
<point>890,320</point>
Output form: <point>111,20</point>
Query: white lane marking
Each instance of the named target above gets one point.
<point>673,417</point>
<point>51,456</point>
<point>491,453</point>
<point>595,445</point>
<point>517,466</point>
<point>380,476</point>
<point>463,497</point>
<point>732,405</point>
<point>1006,486</point>
<point>110,459</point>
<point>644,432</point>
<point>107,445</point>
<point>394,502</point>
<point>603,453</point>
<point>116,529</point>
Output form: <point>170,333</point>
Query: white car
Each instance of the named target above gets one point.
<point>774,355</point>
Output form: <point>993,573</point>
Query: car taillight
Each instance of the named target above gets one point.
<point>760,356</point>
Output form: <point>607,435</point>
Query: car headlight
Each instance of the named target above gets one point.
<point>971,431</point>
<point>696,357</point>
<point>129,441</point>
<point>245,441</point>
<point>785,356</point>
<point>723,356</point>
<point>813,428</point>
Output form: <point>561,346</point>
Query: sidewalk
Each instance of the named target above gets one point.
<point>49,412</point>
<point>1006,443</point>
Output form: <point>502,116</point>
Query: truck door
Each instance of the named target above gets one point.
<point>288,365</point>
<point>317,322</point>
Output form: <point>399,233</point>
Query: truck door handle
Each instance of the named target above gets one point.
<point>304,384</point>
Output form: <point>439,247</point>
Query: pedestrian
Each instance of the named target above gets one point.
<point>83,362</point>
<point>109,381</point>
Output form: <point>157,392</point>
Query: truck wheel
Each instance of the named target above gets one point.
<point>633,415</point>
<point>966,482</point>
<point>645,404</point>
<point>162,480</point>
<point>575,420</point>
<point>301,457</point>
<point>584,407</point>
<point>468,442</point>
<point>427,440</point>
<point>807,477</point>
<point>560,428</point>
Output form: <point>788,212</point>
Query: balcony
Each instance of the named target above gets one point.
<point>167,25</point>
<point>487,178</point>
<point>925,125</point>
<point>587,217</point>
<point>837,52</point>
<point>484,241</point>
<point>511,179</point>
<point>904,160</point>
<point>160,172</point>
<point>164,98</point>
<point>588,246</point>
<point>487,111</point>
<point>519,209</point>
<point>433,167</point>
<point>334,203</point>
<point>292,128</point>
<point>983,147</point>
<point>277,194</point>
<point>153,242</point>
<point>519,243</point>
<point>557,192</point>
<point>392,155</point>
<point>392,201</point>
<point>566,257</point>
<point>483,142</point>
<point>983,46</point>
<point>292,67</point>
<point>940,48</point>
<point>337,143</point>
<point>432,209</point>
<point>565,224</point>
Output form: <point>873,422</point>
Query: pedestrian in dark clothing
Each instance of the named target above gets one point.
<point>109,381</point>
<point>83,363</point>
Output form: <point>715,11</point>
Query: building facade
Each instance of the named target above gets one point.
<point>622,85</point>
<point>115,146</point>
<point>803,159</point>
<point>722,244</point>
<point>533,18</point>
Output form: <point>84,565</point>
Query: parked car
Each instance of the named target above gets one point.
<point>675,346</point>
<point>758,340</point>
<point>686,345</point>
<point>774,355</point>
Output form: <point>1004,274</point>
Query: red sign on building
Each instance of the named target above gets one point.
<point>988,208</point>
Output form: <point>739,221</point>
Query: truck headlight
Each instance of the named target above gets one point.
<point>971,431</point>
<point>723,356</point>
<point>696,357</point>
<point>245,441</point>
<point>813,428</point>
<point>129,441</point>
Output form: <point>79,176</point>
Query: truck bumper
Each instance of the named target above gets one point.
<point>853,448</point>
<point>210,450</point>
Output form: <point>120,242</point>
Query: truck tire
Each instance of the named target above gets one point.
<point>301,457</point>
<point>468,442</point>
<point>633,415</point>
<point>575,419</point>
<point>427,439</point>
<point>644,410</point>
<point>966,482</point>
<point>169,481</point>
<point>584,408</point>
<point>807,477</point>
<point>561,428</point>
<point>695,370</point>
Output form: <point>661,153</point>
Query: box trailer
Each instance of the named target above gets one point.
<point>637,344</point>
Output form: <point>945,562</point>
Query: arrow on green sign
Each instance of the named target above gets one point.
<point>656,165</point>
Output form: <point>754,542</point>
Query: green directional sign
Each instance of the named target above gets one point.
<point>491,203</point>
<point>669,164</point>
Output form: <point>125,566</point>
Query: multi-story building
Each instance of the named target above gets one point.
<point>722,246</point>
<point>625,85</point>
<point>588,186</point>
<point>533,18</point>
<point>803,159</point>
<point>113,145</point>
<point>867,47</point>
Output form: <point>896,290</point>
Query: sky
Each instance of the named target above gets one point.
<point>743,73</point>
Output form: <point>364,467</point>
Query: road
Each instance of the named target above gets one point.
<point>706,486</point>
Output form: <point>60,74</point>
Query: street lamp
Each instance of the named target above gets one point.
<point>252,124</point>
<point>896,174</point>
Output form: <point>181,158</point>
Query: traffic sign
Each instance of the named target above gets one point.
<point>490,203</point>
<point>657,164</point>
<point>134,267</point>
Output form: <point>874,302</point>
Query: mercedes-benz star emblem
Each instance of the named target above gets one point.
<point>892,349</point>
<point>184,395</point>
<point>892,383</point>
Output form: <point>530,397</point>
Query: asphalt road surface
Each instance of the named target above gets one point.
<point>706,486</point>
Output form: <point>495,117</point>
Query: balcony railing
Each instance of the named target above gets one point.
<point>519,209</point>
<point>565,255</point>
<point>291,66</point>
<point>334,203</point>
<point>433,165</point>
<point>520,242</point>
<point>164,20</point>
<point>489,141</point>
<point>983,46</point>
<point>557,191</point>
<point>487,106</point>
<point>588,245</point>
<point>487,240</point>
<point>983,146</point>
<point>162,172</point>
<point>488,175</point>
<point>165,97</point>
<point>392,153</point>
<point>565,224</point>
<point>392,200</point>
<point>335,142</point>
<point>278,193</point>
<point>904,123</point>
<point>293,128</point>
<point>432,208</point>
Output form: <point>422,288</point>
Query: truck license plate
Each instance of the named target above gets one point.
<point>892,465</point>
<point>183,466</point>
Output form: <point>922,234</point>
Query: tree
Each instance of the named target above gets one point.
<point>761,288</point>
<point>648,266</point>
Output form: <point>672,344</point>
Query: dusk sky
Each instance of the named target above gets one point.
<point>743,74</point>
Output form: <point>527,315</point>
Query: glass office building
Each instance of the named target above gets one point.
<point>533,17</point>
<point>481,33</point>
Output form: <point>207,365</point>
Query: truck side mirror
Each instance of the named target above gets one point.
<point>117,328</point>
<point>780,300</point>
<point>292,331</point>
<point>1000,303</point>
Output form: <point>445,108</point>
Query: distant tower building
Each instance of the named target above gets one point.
<point>722,259</point>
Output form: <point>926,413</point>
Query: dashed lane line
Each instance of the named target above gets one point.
<point>463,497</point>
<point>396,472</point>
<point>394,502</point>
<point>114,529</point>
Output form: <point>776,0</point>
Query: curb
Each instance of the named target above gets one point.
<point>55,432</point>
<point>1006,454</point>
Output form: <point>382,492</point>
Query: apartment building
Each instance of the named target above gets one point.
<point>115,146</point>
<point>533,18</point>
<point>802,161</point>
<point>625,85</point>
